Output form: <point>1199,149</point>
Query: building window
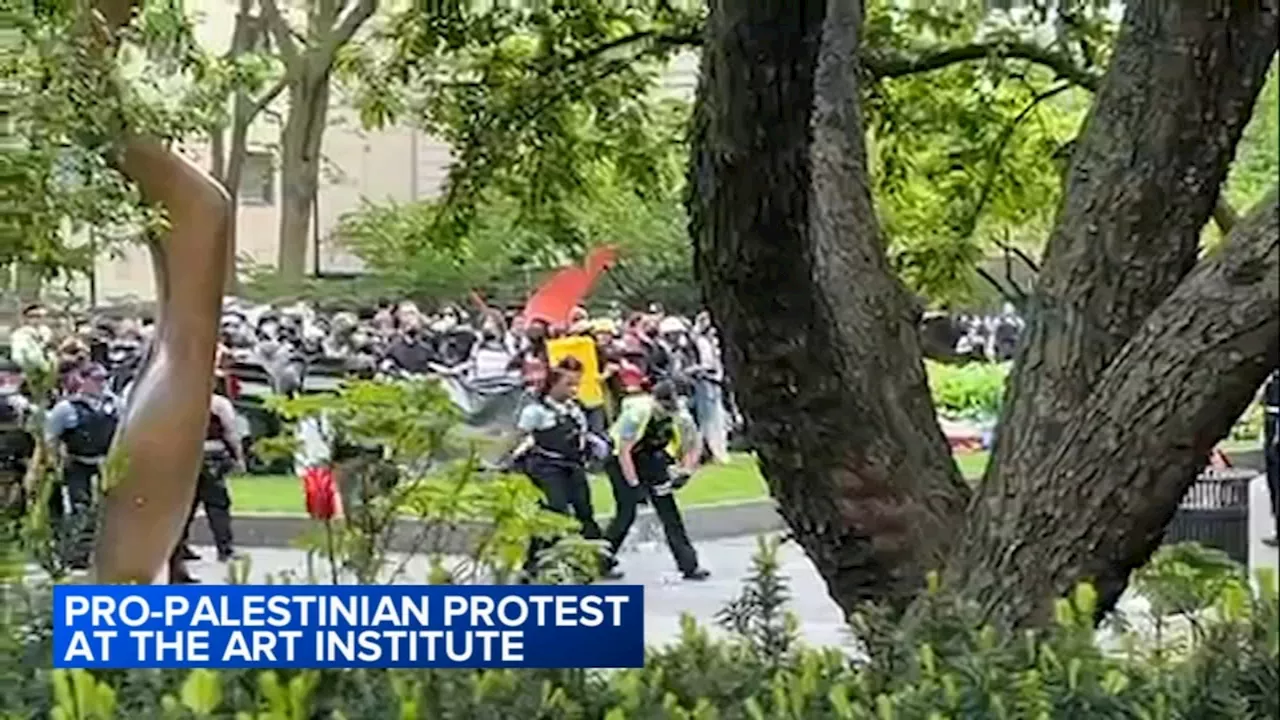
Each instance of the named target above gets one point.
<point>258,179</point>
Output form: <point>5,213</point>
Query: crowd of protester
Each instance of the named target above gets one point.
<point>662,409</point>
<point>91,361</point>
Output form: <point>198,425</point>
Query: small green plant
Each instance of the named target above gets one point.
<point>400,458</point>
<point>971,391</point>
<point>1186,578</point>
<point>948,666</point>
<point>759,614</point>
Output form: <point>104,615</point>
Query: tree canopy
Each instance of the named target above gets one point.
<point>970,120</point>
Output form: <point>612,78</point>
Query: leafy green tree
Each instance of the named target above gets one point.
<point>533,100</point>
<point>62,108</point>
<point>971,122</point>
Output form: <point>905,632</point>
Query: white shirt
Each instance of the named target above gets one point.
<point>27,347</point>
<point>709,357</point>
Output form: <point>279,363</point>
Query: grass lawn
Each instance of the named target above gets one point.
<point>737,481</point>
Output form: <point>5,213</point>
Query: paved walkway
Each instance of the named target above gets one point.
<point>667,595</point>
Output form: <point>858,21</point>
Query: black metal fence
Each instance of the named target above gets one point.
<point>1215,513</point>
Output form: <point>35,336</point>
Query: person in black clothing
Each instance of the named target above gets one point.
<point>642,466</point>
<point>223,453</point>
<point>412,350</point>
<point>555,450</point>
<point>1271,447</point>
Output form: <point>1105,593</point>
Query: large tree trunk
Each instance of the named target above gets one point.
<point>1143,183</point>
<point>821,338</point>
<point>300,142</point>
<point>820,335</point>
<point>330,25</point>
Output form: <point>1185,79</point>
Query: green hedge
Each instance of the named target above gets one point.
<point>1225,668</point>
<point>971,391</point>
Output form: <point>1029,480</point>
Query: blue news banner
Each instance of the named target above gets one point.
<point>323,626</point>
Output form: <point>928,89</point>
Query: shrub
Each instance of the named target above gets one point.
<point>972,391</point>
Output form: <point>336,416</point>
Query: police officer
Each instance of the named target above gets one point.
<point>555,451</point>
<point>648,423</point>
<point>84,423</point>
<point>1271,446</point>
<point>223,453</point>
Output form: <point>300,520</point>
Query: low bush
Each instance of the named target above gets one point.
<point>974,391</point>
<point>970,391</point>
<point>755,669</point>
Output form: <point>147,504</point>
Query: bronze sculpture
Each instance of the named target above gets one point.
<point>159,442</point>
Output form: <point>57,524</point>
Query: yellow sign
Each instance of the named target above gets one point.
<point>591,387</point>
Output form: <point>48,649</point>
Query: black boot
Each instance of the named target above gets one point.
<point>178,574</point>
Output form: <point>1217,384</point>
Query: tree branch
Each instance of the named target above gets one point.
<point>281,32</point>
<point>988,184</point>
<point>1142,434</point>
<point>886,64</point>
<point>347,28</point>
<point>260,104</point>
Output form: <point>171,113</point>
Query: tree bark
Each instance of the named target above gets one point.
<point>229,150</point>
<point>307,76</point>
<point>300,145</point>
<point>1144,181</point>
<point>1096,505</point>
<point>820,335</point>
<point>1135,366</point>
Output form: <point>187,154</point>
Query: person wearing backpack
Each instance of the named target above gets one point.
<point>83,424</point>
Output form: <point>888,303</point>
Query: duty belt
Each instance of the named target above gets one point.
<point>87,460</point>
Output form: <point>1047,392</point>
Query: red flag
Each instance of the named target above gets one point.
<point>563,291</point>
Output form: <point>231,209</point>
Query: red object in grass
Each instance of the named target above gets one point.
<point>321,492</point>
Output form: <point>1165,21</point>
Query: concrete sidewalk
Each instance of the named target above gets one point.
<point>667,595</point>
<point>704,522</point>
